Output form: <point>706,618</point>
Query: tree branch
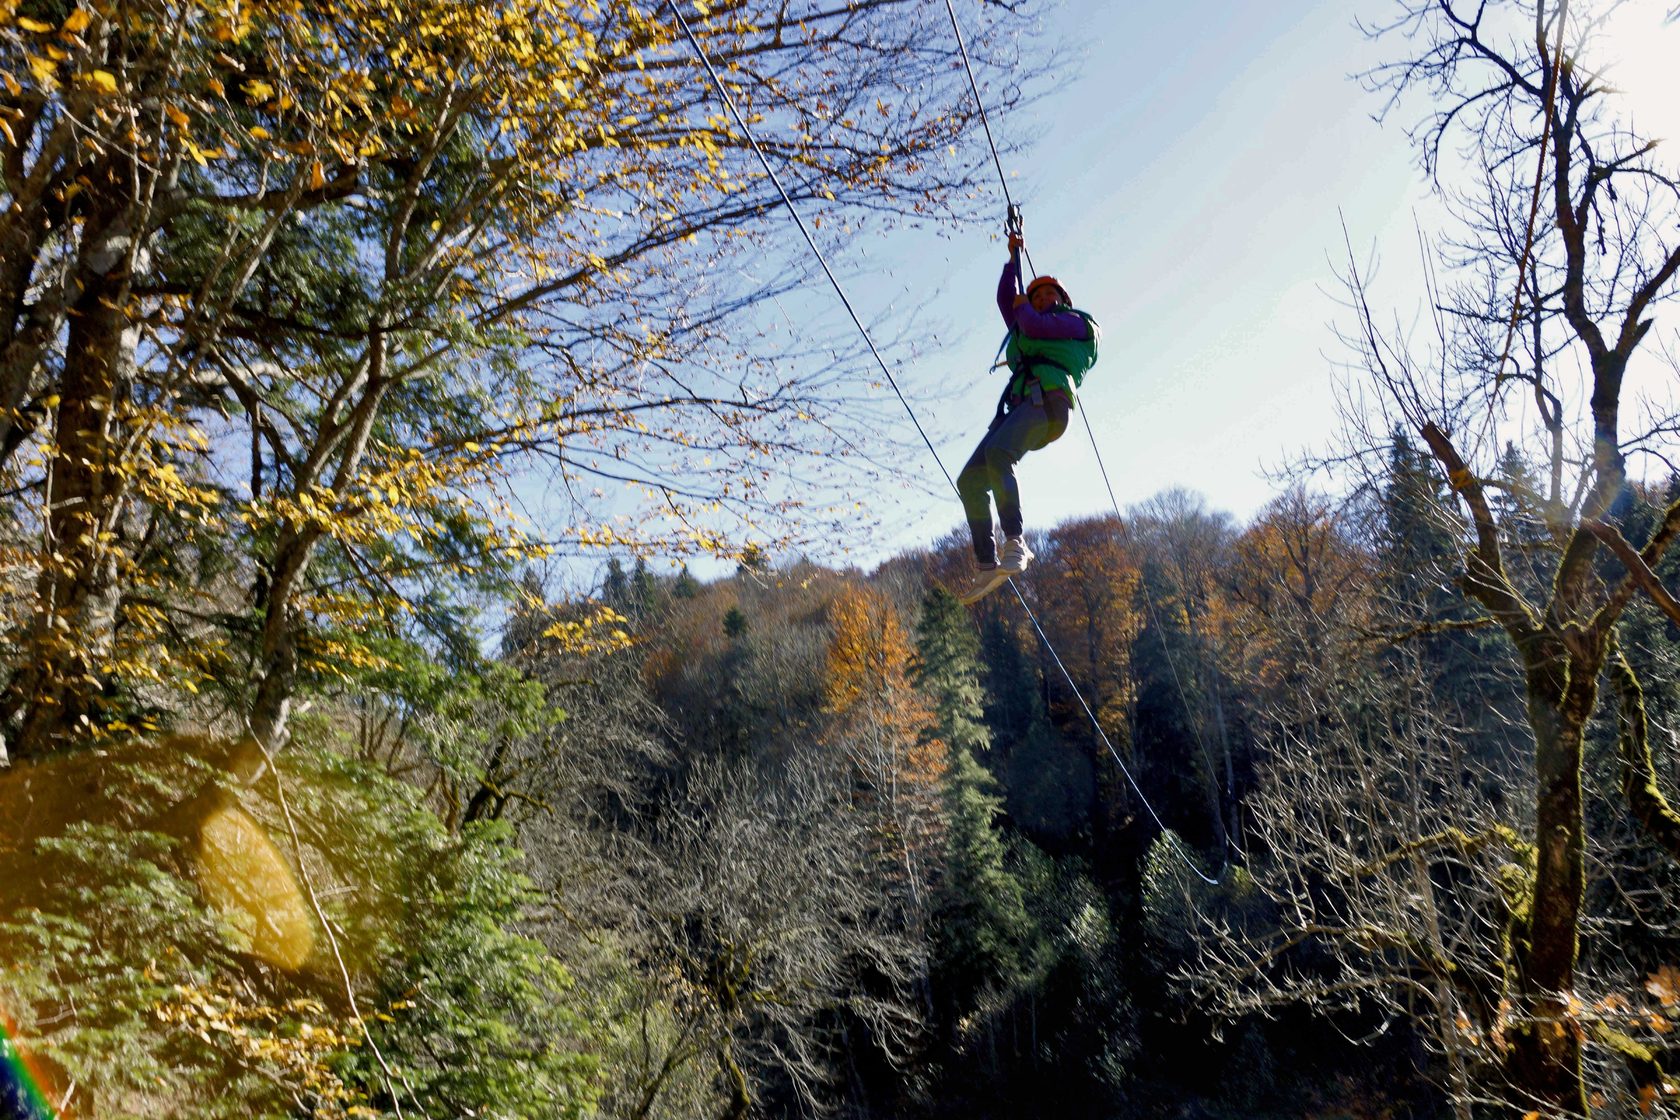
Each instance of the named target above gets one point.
<point>1464,841</point>
<point>1484,568</point>
<point>1639,572</point>
<point>1639,776</point>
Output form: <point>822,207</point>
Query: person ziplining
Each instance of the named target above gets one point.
<point>1050,347</point>
<point>1032,351</point>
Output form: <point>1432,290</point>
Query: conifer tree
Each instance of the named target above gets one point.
<point>1013,685</point>
<point>1419,544</point>
<point>1596,260</point>
<point>615,588</point>
<point>644,589</point>
<point>980,916</point>
<point>686,586</point>
<point>1417,541</point>
<point>1519,507</point>
<point>948,671</point>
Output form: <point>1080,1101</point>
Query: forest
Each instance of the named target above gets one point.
<point>375,378</point>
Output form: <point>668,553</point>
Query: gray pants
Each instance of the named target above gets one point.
<point>990,471</point>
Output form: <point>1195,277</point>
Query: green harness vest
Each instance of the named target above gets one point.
<point>1056,363</point>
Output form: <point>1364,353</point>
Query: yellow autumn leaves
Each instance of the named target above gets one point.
<point>46,50</point>
<point>387,255</point>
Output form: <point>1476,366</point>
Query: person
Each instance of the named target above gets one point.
<point>1050,348</point>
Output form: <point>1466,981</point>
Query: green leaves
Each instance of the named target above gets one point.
<point>486,1019</point>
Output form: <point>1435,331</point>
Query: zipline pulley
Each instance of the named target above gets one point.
<point>1012,224</point>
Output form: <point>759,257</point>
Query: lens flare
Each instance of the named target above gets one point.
<point>21,1097</point>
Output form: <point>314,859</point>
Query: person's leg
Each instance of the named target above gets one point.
<point>1026,428</point>
<point>991,470</point>
<point>1038,425</point>
<point>974,486</point>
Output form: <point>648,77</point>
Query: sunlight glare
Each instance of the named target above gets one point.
<point>1636,48</point>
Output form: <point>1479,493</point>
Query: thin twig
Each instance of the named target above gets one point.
<point>1534,201</point>
<point>391,1076</point>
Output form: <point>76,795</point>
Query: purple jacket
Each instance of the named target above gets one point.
<point>1048,325</point>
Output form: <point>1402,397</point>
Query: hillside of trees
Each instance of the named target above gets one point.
<point>814,840</point>
<point>337,341</point>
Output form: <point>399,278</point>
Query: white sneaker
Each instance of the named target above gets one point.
<point>986,580</point>
<point>1014,556</point>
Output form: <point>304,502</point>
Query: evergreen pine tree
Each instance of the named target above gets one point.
<point>1416,539</point>
<point>1013,702</point>
<point>980,917</point>
<point>615,587</point>
<point>1522,522</point>
<point>686,587</point>
<point>1419,558</point>
<point>1167,658</point>
<point>644,589</point>
<point>981,927</point>
<point>948,671</point>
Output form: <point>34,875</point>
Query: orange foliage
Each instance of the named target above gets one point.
<point>884,724</point>
<point>1296,568</point>
<point>1088,579</point>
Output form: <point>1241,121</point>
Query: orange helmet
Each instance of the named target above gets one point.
<point>1048,282</point>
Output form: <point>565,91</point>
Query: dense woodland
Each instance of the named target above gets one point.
<point>807,840</point>
<point>337,340</point>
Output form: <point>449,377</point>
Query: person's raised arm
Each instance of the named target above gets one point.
<point>1009,284</point>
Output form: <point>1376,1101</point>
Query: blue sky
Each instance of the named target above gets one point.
<point>1187,177</point>
<point>1185,185</point>
<point>1188,183</point>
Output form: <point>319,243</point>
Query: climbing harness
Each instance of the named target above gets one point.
<point>1014,218</point>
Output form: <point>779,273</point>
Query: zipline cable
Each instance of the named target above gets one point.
<point>979,102</point>
<point>787,200</point>
<point>1172,662</point>
<point>986,124</point>
<point>1014,224</point>
<point>1098,725</point>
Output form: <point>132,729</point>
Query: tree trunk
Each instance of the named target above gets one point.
<point>278,662</point>
<point>25,332</point>
<point>82,574</point>
<point>1544,1063</point>
<point>277,675</point>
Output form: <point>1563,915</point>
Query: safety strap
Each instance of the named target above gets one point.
<point>1030,387</point>
<point>1026,374</point>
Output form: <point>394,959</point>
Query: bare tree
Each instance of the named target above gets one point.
<point>1389,879</point>
<point>765,898</point>
<point>1561,255</point>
